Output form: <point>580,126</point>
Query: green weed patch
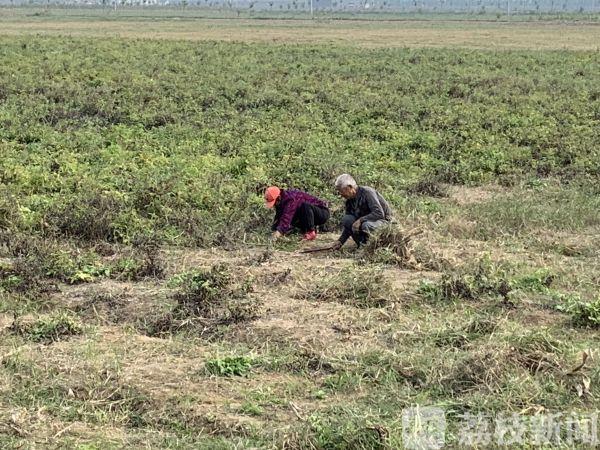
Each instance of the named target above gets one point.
<point>110,144</point>
<point>47,329</point>
<point>229,366</point>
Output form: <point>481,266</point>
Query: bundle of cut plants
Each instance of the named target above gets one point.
<point>391,245</point>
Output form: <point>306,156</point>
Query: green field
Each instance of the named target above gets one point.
<point>141,305</point>
<point>525,32</point>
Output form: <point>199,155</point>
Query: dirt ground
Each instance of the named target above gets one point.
<point>303,345</point>
<point>477,35</point>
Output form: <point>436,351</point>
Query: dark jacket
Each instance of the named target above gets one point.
<point>368,205</point>
<point>291,199</point>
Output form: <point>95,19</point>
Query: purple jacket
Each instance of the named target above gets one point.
<point>291,199</point>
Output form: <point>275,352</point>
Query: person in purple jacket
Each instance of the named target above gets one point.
<point>294,208</point>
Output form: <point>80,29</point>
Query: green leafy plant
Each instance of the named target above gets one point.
<point>206,300</point>
<point>143,260</point>
<point>112,155</point>
<point>484,278</point>
<point>538,281</point>
<point>251,409</point>
<point>582,313</point>
<point>341,430</point>
<point>214,293</point>
<point>50,328</point>
<point>229,366</point>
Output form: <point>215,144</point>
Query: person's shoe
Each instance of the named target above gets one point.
<point>310,236</point>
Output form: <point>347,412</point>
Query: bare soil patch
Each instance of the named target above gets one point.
<point>354,33</point>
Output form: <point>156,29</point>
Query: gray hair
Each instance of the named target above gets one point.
<point>345,180</point>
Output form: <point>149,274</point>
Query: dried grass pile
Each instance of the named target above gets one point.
<point>392,245</point>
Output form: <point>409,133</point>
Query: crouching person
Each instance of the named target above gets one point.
<point>294,208</point>
<point>366,211</point>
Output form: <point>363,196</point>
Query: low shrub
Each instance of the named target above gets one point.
<point>484,279</point>
<point>229,366</point>
<point>585,314</point>
<point>48,329</point>
<point>9,217</point>
<point>90,216</point>
<point>206,300</point>
<point>464,286</point>
<point>363,287</point>
<point>494,366</point>
<point>214,294</point>
<point>36,260</point>
<point>144,260</point>
<point>538,281</point>
<point>340,430</point>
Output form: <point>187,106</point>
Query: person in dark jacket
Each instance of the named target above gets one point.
<point>294,208</point>
<point>366,211</point>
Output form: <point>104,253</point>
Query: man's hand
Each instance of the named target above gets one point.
<point>276,235</point>
<point>336,246</point>
<point>356,226</point>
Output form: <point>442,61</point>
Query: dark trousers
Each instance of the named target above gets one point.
<point>309,216</point>
<point>366,228</point>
